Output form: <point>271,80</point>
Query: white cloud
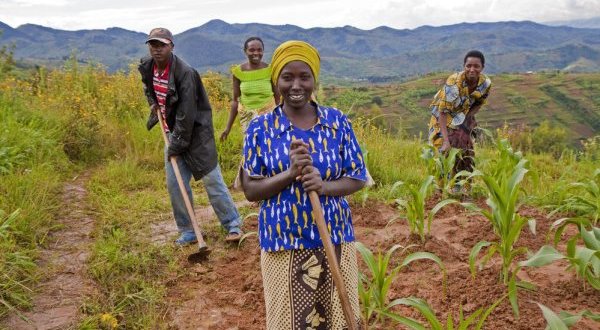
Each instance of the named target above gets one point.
<point>180,15</point>
<point>31,3</point>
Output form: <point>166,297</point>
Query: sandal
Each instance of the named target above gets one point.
<point>233,237</point>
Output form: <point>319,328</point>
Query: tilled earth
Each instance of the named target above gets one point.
<point>226,292</point>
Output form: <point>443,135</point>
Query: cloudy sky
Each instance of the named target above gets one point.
<point>180,15</point>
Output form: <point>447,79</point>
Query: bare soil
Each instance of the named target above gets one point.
<point>64,284</point>
<point>226,292</point>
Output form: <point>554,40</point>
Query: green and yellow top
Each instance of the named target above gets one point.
<point>454,100</point>
<point>255,86</point>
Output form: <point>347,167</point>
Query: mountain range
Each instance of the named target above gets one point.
<point>347,52</point>
<point>592,23</point>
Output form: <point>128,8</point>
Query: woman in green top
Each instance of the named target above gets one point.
<point>253,92</point>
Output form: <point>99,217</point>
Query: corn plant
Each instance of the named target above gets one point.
<point>564,320</point>
<point>414,209</point>
<point>586,202</point>
<point>250,233</point>
<point>474,321</point>
<point>502,183</point>
<point>373,291</point>
<point>585,260</point>
<point>441,166</point>
<point>245,236</point>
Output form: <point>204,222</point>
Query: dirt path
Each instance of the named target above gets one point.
<point>226,292</point>
<point>64,283</point>
<point>221,293</point>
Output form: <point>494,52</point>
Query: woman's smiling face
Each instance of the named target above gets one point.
<point>254,51</point>
<point>296,83</point>
<point>473,68</point>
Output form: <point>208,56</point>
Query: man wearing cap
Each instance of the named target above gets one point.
<point>175,92</point>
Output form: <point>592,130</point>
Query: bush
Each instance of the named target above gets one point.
<point>377,100</point>
<point>591,148</point>
<point>546,138</point>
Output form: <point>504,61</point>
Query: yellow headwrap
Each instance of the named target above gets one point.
<point>295,50</point>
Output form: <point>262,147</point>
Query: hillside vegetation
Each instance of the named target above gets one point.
<point>58,124</point>
<point>566,102</point>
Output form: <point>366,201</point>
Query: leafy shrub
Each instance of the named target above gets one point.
<point>546,138</point>
<point>591,148</point>
<point>81,139</point>
<point>377,100</point>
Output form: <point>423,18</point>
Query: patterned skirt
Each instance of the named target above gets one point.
<point>246,115</point>
<point>460,138</point>
<point>299,289</point>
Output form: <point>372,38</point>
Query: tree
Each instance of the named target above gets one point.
<point>7,62</point>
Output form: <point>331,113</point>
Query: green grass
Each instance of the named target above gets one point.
<point>129,269</point>
<point>582,114</point>
<point>32,169</point>
<point>56,124</point>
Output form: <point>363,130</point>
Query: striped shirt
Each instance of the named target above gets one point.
<point>160,83</point>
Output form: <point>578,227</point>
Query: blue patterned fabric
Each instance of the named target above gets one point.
<point>285,220</point>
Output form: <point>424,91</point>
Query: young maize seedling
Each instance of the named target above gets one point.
<point>473,321</point>
<point>414,208</point>
<point>586,202</point>
<point>565,320</point>
<point>502,189</point>
<point>373,290</point>
<point>585,260</point>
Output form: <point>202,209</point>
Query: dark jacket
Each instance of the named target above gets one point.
<point>188,113</point>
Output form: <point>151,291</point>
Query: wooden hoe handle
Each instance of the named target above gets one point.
<point>338,280</point>
<point>186,197</point>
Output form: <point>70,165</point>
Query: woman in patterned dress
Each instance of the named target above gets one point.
<point>454,107</point>
<point>298,147</point>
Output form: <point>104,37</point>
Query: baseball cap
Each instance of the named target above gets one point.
<point>161,34</point>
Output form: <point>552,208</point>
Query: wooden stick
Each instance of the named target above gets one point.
<point>338,280</point>
<point>186,198</point>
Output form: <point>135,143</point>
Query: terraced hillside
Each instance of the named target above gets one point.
<point>571,101</point>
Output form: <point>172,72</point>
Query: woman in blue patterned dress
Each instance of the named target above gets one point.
<point>299,147</point>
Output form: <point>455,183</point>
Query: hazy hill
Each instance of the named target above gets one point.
<point>593,23</point>
<point>347,52</point>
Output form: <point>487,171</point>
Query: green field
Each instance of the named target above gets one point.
<point>568,101</point>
